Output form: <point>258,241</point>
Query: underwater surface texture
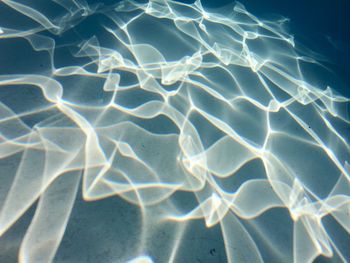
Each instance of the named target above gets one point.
<point>166,131</point>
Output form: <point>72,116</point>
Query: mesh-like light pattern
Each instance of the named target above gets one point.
<point>189,115</point>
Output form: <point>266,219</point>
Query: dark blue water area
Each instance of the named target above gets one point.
<point>320,25</point>
<point>323,26</point>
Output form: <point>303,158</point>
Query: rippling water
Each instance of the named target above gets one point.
<point>164,131</point>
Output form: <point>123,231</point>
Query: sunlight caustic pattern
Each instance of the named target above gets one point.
<point>187,114</point>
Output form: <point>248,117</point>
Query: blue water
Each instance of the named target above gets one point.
<point>322,26</point>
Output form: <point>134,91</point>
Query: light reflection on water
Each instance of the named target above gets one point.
<point>167,132</point>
